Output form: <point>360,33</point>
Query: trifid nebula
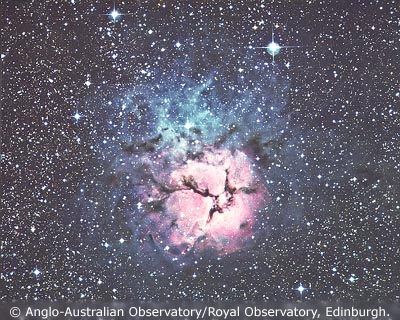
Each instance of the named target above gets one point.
<point>200,150</point>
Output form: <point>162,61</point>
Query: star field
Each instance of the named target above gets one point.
<point>103,102</point>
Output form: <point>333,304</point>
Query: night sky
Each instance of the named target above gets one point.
<point>159,150</point>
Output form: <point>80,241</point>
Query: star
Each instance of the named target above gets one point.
<point>188,125</point>
<point>301,289</point>
<point>114,14</point>
<point>77,116</point>
<point>273,48</point>
<point>36,272</point>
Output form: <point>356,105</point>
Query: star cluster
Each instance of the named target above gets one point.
<point>103,100</point>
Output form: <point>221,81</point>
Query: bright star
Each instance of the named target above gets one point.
<point>77,116</point>
<point>273,48</point>
<point>36,272</point>
<point>301,289</point>
<point>188,125</point>
<point>114,14</point>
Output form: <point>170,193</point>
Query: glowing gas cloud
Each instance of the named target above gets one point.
<point>208,203</point>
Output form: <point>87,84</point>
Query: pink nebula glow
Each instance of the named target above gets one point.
<point>211,204</point>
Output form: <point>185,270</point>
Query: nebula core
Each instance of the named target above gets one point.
<point>208,203</point>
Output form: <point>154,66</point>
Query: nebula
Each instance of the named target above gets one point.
<point>186,180</point>
<point>208,203</point>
